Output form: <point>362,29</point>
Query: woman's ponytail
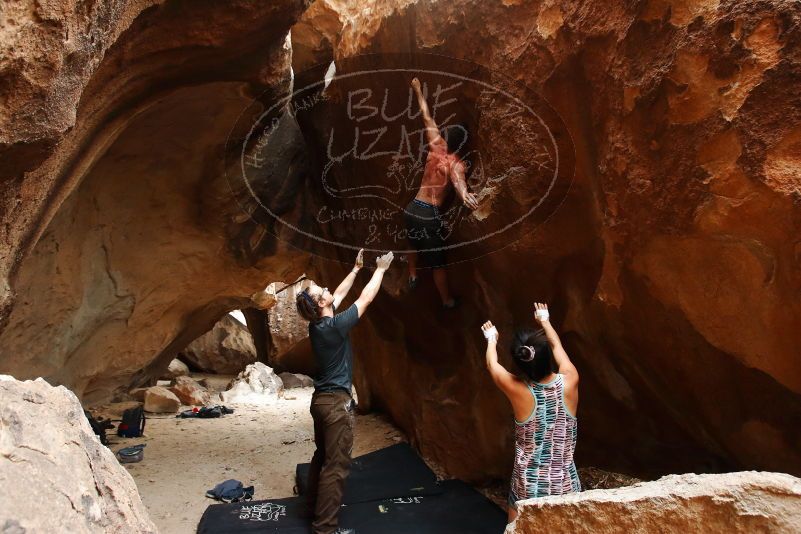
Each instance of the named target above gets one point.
<point>532,353</point>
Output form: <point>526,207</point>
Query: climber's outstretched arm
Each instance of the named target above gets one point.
<point>457,177</point>
<point>432,131</point>
<point>566,367</point>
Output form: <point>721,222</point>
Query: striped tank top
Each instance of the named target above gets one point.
<point>544,446</point>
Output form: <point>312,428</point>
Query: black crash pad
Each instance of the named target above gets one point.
<point>395,471</point>
<point>459,509</point>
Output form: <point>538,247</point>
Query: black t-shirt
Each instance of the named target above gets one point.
<point>331,346</point>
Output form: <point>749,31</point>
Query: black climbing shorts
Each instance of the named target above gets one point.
<point>425,230</point>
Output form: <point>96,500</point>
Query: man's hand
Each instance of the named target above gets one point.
<point>541,314</point>
<point>490,332</point>
<point>359,260</point>
<point>416,84</point>
<point>470,201</point>
<point>384,261</point>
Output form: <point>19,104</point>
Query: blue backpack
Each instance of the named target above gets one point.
<point>133,423</point>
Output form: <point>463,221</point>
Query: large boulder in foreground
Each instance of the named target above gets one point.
<point>55,476</point>
<point>743,502</point>
<point>225,349</point>
<point>257,384</point>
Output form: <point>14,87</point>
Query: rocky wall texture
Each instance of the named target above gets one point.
<point>672,266</point>
<point>133,242</point>
<point>70,481</point>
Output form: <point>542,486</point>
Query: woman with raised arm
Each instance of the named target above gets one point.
<point>544,404</point>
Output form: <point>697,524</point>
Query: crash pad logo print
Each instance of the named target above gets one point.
<point>407,500</point>
<point>367,150</point>
<point>262,512</point>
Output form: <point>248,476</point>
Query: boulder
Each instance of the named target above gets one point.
<point>295,380</point>
<point>742,502</point>
<point>257,384</point>
<point>159,399</point>
<point>138,394</point>
<point>55,476</point>
<point>226,349</point>
<point>289,332</point>
<point>176,368</point>
<point>204,383</point>
<point>281,336</point>
<point>189,392</point>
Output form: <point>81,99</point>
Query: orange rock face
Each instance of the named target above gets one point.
<point>672,267</point>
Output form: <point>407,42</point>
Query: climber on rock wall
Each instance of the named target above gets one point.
<point>332,407</point>
<point>426,229</point>
<point>544,404</point>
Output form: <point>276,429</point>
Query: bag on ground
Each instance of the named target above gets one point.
<point>133,423</point>
<point>230,491</point>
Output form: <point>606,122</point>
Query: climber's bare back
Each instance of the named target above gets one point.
<point>436,182</point>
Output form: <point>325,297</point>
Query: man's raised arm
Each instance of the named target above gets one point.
<point>371,289</point>
<point>342,290</point>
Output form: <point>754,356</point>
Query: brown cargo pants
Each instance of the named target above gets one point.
<point>333,414</point>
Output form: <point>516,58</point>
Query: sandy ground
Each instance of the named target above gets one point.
<point>259,445</point>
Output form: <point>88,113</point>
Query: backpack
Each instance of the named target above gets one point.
<point>99,427</point>
<point>133,423</point>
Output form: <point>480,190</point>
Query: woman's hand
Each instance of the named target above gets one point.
<point>490,332</point>
<point>416,84</point>
<point>541,314</point>
<point>359,260</point>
